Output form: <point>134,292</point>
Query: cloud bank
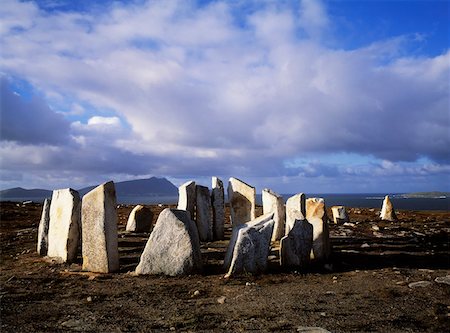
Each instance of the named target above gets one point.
<point>187,90</point>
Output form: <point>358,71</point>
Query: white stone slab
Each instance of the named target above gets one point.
<point>339,214</point>
<point>387,210</point>
<point>203,215</point>
<point>42,245</point>
<point>316,214</point>
<point>186,198</point>
<point>242,199</point>
<point>218,208</point>
<point>295,248</point>
<point>294,204</point>
<point>65,225</point>
<point>99,228</point>
<point>173,247</point>
<point>274,203</point>
<point>140,219</point>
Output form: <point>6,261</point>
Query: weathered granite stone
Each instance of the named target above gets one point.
<point>42,245</point>
<point>295,248</point>
<point>316,214</point>
<point>65,225</point>
<point>186,198</point>
<point>218,208</point>
<point>387,210</point>
<point>242,199</point>
<point>273,203</point>
<point>339,214</point>
<point>249,246</point>
<point>294,205</point>
<point>203,217</point>
<point>99,229</point>
<point>140,219</point>
<point>173,247</point>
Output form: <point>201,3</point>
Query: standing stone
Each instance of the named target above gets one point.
<point>65,224</point>
<point>42,245</point>
<point>99,228</point>
<point>140,219</point>
<point>387,210</point>
<point>203,214</point>
<point>218,208</point>
<point>339,214</point>
<point>273,202</point>
<point>173,247</point>
<point>186,198</point>
<point>249,246</point>
<point>294,205</point>
<point>295,248</point>
<point>316,214</point>
<point>242,199</point>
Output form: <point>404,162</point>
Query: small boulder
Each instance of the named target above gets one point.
<point>339,214</point>
<point>42,245</point>
<point>387,210</point>
<point>249,246</point>
<point>173,247</point>
<point>140,219</point>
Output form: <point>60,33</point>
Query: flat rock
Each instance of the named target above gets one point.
<point>273,203</point>
<point>295,248</point>
<point>294,204</point>
<point>420,284</point>
<point>304,329</point>
<point>203,216</point>
<point>242,199</point>
<point>186,198</point>
<point>173,247</point>
<point>443,279</point>
<point>65,225</point>
<point>218,208</point>
<point>42,244</point>
<point>140,219</point>
<point>99,228</point>
<point>249,246</point>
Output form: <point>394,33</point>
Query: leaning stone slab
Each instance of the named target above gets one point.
<point>64,229</point>
<point>294,204</point>
<point>173,247</point>
<point>140,219</point>
<point>316,214</point>
<point>203,217</point>
<point>295,248</point>
<point>218,208</point>
<point>99,229</point>
<point>242,199</point>
<point>186,198</point>
<point>387,210</point>
<point>339,214</point>
<point>42,245</point>
<point>249,246</point>
<point>273,203</point>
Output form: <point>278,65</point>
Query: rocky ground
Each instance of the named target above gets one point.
<point>383,277</point>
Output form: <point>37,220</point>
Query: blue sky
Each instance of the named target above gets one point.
<point>297,96</point>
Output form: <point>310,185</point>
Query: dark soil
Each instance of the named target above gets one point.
<point>364,289</point>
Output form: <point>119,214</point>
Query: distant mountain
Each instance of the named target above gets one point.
<point>141,187</point>
<point>19,192</point>
<point>152,187</point>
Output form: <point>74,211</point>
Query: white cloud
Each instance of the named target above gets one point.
<point>189,83</point>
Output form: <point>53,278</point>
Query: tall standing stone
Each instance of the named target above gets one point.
<point>140,219</point>
<point>294,204</point>
<point>295,248</point>
<point>273,203</point>
<point>42,245</point>
<point>249,246</point>
<point>339,214</point>
<point>316,214</point>
<point>218,208</point>
<point>387,210</point>
<point>65,224</point>
<point>99,229</point>
<point>203,216</point>
<point>186,198</point>
<point>173,247</point>
<point>242,199</point>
